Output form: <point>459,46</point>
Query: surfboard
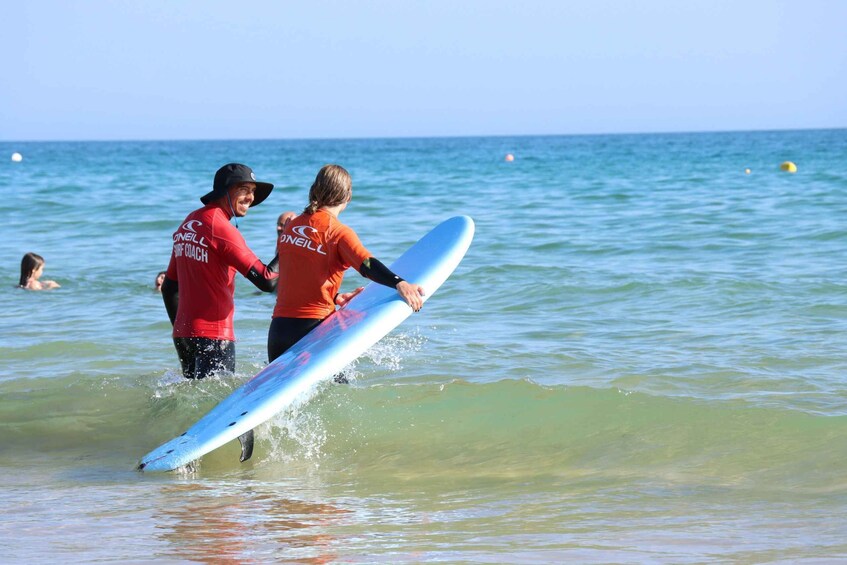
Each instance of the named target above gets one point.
<point>322,353</point>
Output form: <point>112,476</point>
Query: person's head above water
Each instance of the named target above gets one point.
<point>283,220</point>
<point>160,279</point>
<point>32,265</point>
<point>332,186</point>
<point>239,184</point>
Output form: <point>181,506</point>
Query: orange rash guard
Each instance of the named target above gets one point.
<point>314,251</point>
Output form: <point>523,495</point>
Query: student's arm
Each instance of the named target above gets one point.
<point>373,269</point>
<point>352,251</point>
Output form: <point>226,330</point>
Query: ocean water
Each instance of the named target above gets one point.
<point>641,359</point>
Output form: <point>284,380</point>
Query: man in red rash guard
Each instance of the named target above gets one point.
<point>199,286</point>
<point>199,283</point>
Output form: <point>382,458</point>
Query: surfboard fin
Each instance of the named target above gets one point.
<point>246,440</point>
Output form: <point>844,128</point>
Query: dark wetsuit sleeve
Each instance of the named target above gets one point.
<point>264,276</point>
<point>273,266</point>
<point>170,295</point>
<point>373,269</point>
<point>234,251</point>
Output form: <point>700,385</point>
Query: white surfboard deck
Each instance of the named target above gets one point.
<point>322,353</point>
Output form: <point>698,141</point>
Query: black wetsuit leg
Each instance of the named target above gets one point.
<point>285,332</point>
<point>201,356</point>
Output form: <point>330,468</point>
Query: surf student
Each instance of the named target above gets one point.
<point>32,267</point>
<point>315,249</point>
<point>199,285</point>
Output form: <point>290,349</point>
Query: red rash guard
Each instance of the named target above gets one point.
<point>314,251</point>
<point>207,252</point>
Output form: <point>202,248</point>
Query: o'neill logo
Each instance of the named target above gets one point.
<point>188,243</point>
<point>303,231</point>
<point>188,233</point>
<point>302,239</point>
<point>191,225</point>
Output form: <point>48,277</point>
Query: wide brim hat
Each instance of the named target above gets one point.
<point>235,173</point>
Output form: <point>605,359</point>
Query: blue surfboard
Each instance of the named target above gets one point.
<point>322,353</point>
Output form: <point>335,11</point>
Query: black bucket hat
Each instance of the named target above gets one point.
<point>235,173</point>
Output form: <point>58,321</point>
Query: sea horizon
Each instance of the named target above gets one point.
<point>424,137</point>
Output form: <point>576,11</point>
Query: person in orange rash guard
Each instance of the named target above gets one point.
<point>315,249</point>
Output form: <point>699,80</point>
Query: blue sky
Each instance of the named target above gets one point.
<point>195,69</point>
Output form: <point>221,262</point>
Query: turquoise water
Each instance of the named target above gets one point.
<point>641,359</point>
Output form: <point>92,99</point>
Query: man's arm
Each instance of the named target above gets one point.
<point>265,277</point>
<point>170,295</point>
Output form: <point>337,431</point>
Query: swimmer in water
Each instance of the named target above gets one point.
<point>32,266</point>
<point>160,278</point>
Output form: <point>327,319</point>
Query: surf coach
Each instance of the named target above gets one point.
<point>199,287</point>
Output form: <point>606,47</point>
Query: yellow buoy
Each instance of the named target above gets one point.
<point>509,157</point>
<point>788,167</point>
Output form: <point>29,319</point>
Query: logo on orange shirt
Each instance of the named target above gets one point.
<point>301,239</point>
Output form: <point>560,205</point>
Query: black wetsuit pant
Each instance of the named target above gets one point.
<point>201,356</point>
<point>285,332</point>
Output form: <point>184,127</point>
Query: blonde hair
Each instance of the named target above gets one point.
<point>29,263</point>
<point>332,186</point>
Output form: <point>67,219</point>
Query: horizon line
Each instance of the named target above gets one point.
<point>411,137</point>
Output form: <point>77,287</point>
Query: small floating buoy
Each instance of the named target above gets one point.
<point>509,157</point>
<point>17,157</point>
<point>746,171</point>
<point>788,167</point>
